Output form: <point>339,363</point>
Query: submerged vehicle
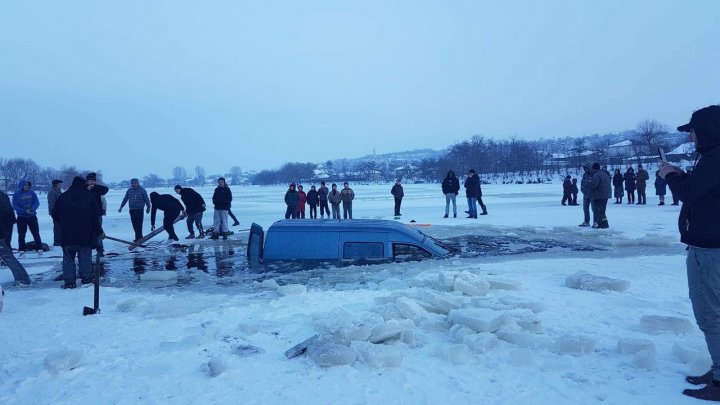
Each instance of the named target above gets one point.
<point>326,239</point>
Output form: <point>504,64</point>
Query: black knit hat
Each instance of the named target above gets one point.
<point>178,187</point>
<point>91,176</point>
<point>56,182</point>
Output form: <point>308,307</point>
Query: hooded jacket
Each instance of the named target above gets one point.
<point>78,216</point>
<point>194,203</point>
<point>166,203</point>
<point>451,184</point>
<point>699,219</point>
<point>292,198</point>
<point>24,202</point>
<point>222,198</point>
<point>630,180</point>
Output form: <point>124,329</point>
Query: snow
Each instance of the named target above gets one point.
<point>388,332</point>
<point>582,280</point>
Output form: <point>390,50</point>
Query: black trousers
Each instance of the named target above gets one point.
<point>324,209</point>
<point>566,198</point>
<point>136,217</point>
<point>398,201</point>
<point>169,224</point>
<point>233,217</point>
<point>642,198</point>
<point>23,223</point>
<point>8,234</point>
<point>482,205</point>
<point>313,211</point>
<point>599,207</point>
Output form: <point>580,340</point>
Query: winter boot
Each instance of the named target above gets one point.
<point>69,286</point>
<point>236,223</point>
<point>700,379</point>
<point>603,224</point>
<point>191,236</point>
<point>710,392</point>
<point>662,203</point>
<point>446,215</point>
<point>201,236</point>
<point>483,213</point>
<point>215,236</point>
<point>454,215</point>
<point>595,225</point>
<point>584,224</point>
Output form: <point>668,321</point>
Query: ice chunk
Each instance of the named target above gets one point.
<point>645,359</point>
<point>378,355</point>
<point>425,279</point>
<point>516,302</point>
<point>410,309</point>
<point>583,280</point>
<point>327,354</point>
<point>471,284</point>
<point>63,360</point>
<point>342,326</point>
<point>216,366</point>
<point>185,343</point>
<point>446,280</point>
<point>248,328</point>
<point>435,322</point>
<point>164,276</point>
<point>390,329</point>
<point>301,347</point>
<point>522,357</point>
<point>512,333</point>
<point>270,284</point>
<point>132,304</point>
<point>658,324</point>
<point>458,333</point>
<point>502,284</point>
<point>527,320</point>
<point>247,350</point>
<point>456,353</point>
<point>388,312</point>
<point>292,289</point>
<point>634,346</point>
<point>392,283</point>
<point>574,345</point>
<point>480,342</point>
<point>687,354</point>
<point>477,319</point>
<point>438,303</point>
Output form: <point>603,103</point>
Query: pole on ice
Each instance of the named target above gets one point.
<point>96,293</point>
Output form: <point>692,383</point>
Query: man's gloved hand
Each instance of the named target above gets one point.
<point>119,209</point>
<point>147,211</point>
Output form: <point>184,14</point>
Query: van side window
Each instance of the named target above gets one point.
<point>406,251</point>
<point>363,250</point>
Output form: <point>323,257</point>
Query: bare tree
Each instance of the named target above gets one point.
<point>14,170</point>
<point>236,173</point>
<point>648,133</point>
<point>199,176</point>
<point>152,180</point>
<point>179,174</point>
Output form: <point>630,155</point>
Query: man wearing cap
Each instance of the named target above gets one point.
<point>137,198</point>
<point>699,225</point>
<point>98,191</point>
<point>52,196</point>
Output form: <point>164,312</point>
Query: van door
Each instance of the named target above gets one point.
<point>364,245</point>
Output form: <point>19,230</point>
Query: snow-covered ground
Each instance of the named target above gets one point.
<point>477,328</point>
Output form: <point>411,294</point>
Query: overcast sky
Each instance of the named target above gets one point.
<point>135,86</point>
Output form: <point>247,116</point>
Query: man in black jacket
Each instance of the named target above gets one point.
<point>450,188</point>
<point>472,189</point>
<point>78,215</point>
<point>398,194</point>
<point>313,199</point>
<point>601,190</point>
<point>699,224</point>
<point>172,209</point>
<point>98,191</point>
<point>194,208</point>
<point>222,200</point>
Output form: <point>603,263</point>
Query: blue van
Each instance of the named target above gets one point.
<point>356,239</point>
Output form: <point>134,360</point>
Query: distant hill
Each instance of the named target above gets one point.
<point>415,155</point>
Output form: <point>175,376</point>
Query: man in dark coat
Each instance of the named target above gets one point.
<point>313,200</point>
<point>585,182</point>
<point>222,200</point>
<point>7,257</point>
<point>642,178</point>
<point>172,209</point>
<point>194,208</point>
<point>323,193</point>
<point>398,194</point>
<point>601,192</point>
<point>567,190</point>
<point>52,196</point>
<point>292,198</point>
<point>78,214</point>
<point>450,188</point>
<point>98,191</point>
<point>472,189</point>
<point>699,222</point>
<point>8,216</point>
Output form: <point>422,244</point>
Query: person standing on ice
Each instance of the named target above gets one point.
<point>479,198</point>
<point>642,178</point>
<point>52,196</point>
<point>630,186</point>
<point>472,188</point>
<point>6,256</point>
<point>617,181</point>
<point>567,190</point>
<point>601,192</point>
<point>699,222</point>
<point>25,202</point>
<point>334,198</point>
<point>347,195</point>
<point>302,199</point>
<point>78,214</point>
<point>222,199</point>
<point>292,198</point>
<point>172,209</point>
<point>450,188</point>
<point>573,192</point>
<point>194,208</point>
<point>323,199</point>
<point>660,187</point>
<point>398,193</point>
<point>312,200</point>
<point>8,217</point>
<point>98,191</point>
<point>585,182</point>
<point>138,199</point>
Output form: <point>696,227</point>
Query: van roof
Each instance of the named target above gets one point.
<point>354,225</point>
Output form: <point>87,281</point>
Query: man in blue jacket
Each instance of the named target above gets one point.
<point>699,224</point>
<point>138,199</point>
<point>25,202</point>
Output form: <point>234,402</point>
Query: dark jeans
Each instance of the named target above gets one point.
<point>23,223</point>
<point>313,212</point>
<point>17,269</point>
<point>136,217</point>
<point>324,209</point>
<point>472,208</point>
<point>169,224</point>
<point>291,212</point>
<point>599,207</point>
<point>84,256</point>
<point>586,209</point>
<point>573,200</point>
<point>347,210</point>
<point>642,198</point>
<point>8,234</point>
<point>194,220</point>
<point>336,211</point>
<point>398,202</point>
